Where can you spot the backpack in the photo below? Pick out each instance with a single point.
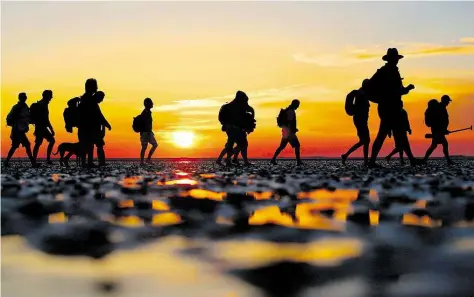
(282, 118)
(249, 122)
(35, 113)
(71, 114)
(11, 117)
(375, 87)
(138, 124)
(431, 112)
(349, 105)
(224, 114)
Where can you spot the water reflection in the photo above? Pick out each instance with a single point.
(56, 218)
(252, 253)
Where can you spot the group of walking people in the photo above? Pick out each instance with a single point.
(385, 88)
(83, 113)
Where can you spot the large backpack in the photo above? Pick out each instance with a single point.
(282, 118)
(374, 88)
(35, 113)
(138, 124)
(71, 114)
(224, 114)
(349, 105)
(431, 112)
(11, 117)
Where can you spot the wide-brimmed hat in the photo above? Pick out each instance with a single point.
(392, 53)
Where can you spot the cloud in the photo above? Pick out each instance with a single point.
(413, 50)
(467, 40)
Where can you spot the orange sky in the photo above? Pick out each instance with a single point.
(191, 63)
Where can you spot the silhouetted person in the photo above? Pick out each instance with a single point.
(147, 136)
(404, 128)
(39, 114)
(387, 90)
(288, 132)
(18, 119)
(436, 117)
(236, 150)
(88, 123)
(234, 119)
(99, 141)
(360, 109)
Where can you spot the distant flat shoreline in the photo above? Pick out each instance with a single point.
(256, 159)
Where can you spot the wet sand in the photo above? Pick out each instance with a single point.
(192, 228)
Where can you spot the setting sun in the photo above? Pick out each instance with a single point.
(183, 138)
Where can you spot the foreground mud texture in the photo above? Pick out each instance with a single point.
(192, 228)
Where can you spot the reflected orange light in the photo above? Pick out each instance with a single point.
(56, 218)
(165, 219)
(203, 194)
(130, 221)
(55, 177)
(126, 204)
(339, 194)
(424, 221)
(324, 252)
(184, 181)
(159, 205)
(261, 195)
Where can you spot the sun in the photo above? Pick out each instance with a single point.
(183, 138)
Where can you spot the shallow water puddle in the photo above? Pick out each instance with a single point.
(253, 253)
(150, 270)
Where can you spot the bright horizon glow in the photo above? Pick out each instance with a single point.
(183, 139)
(191, 57)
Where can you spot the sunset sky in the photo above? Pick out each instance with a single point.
(191, 57)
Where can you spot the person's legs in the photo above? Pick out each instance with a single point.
(221, 155)
(295, 143)
(350, 151)
(236, 153)
(38, 143)
(430, 150)
(279, 149)
(229, 146)
(402, 161)
(394, 151)
(142, 152)
(243, 146)
(101, 155)
(446, 151)
(379, 140)
(51, 142)
(11, 152)
(152, 150)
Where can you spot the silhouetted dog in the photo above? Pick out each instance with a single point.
(71, 149)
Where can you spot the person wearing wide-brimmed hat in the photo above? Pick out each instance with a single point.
(387, 90)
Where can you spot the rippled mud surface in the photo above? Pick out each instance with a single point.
(192, 228)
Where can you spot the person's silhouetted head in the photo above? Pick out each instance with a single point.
(295, 104)
(91, 86)
(47, 96)
(22, 97)
(241, 97)
(99, 96)
(148, 103)
(392, 57)
(365, 84)
(445, 100)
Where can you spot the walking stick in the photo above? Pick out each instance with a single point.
(429, 135)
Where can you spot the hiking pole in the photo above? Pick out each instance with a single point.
(429, 135)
